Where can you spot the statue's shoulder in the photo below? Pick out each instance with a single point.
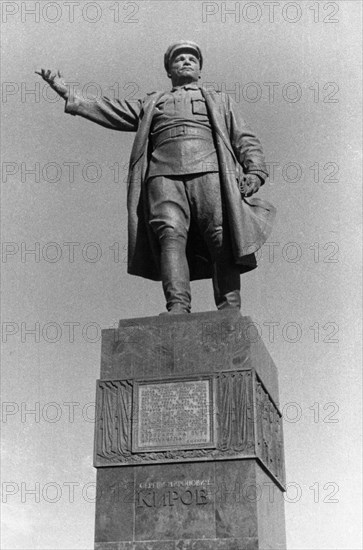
(217, 97)
(213, 93)
(151, 96)
(154, 93)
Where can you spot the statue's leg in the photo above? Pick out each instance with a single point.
(226, 282)
(170, 220)
(207, 208)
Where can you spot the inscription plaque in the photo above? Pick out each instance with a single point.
(170, 415)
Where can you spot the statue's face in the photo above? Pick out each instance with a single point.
(184, 68)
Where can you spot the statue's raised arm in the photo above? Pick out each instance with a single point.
(55, 81)
(116, 114)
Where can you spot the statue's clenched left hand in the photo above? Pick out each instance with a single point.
(250, 185)
(55, 81)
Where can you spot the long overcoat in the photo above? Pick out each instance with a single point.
(238, 150)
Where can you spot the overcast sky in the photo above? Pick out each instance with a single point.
(294, 70)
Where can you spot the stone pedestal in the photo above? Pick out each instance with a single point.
(188, 437)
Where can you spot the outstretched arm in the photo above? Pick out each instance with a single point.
(116, 114)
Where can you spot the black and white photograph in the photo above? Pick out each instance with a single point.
(181, 275)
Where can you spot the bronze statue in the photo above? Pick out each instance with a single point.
(194, 164)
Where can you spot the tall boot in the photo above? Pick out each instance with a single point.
(226, 283)
(175, 274)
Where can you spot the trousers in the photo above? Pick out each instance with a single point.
(175, 202)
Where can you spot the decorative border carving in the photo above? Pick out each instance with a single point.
(247, 423)
(269, 437)
(113, 419)
(235, 412)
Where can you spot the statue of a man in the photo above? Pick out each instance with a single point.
(193, 165)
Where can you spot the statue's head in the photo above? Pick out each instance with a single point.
(183, 62)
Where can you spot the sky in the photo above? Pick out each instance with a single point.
(294, 70)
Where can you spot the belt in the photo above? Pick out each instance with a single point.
(177, 131)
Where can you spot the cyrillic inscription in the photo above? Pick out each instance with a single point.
(158, 499)
(173, 415)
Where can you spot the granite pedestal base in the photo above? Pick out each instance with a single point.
(188, 437)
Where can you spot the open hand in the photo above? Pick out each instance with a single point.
(55, 81)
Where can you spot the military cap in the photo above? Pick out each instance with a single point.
(182, 45)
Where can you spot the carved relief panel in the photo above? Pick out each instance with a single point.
(206, 417)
